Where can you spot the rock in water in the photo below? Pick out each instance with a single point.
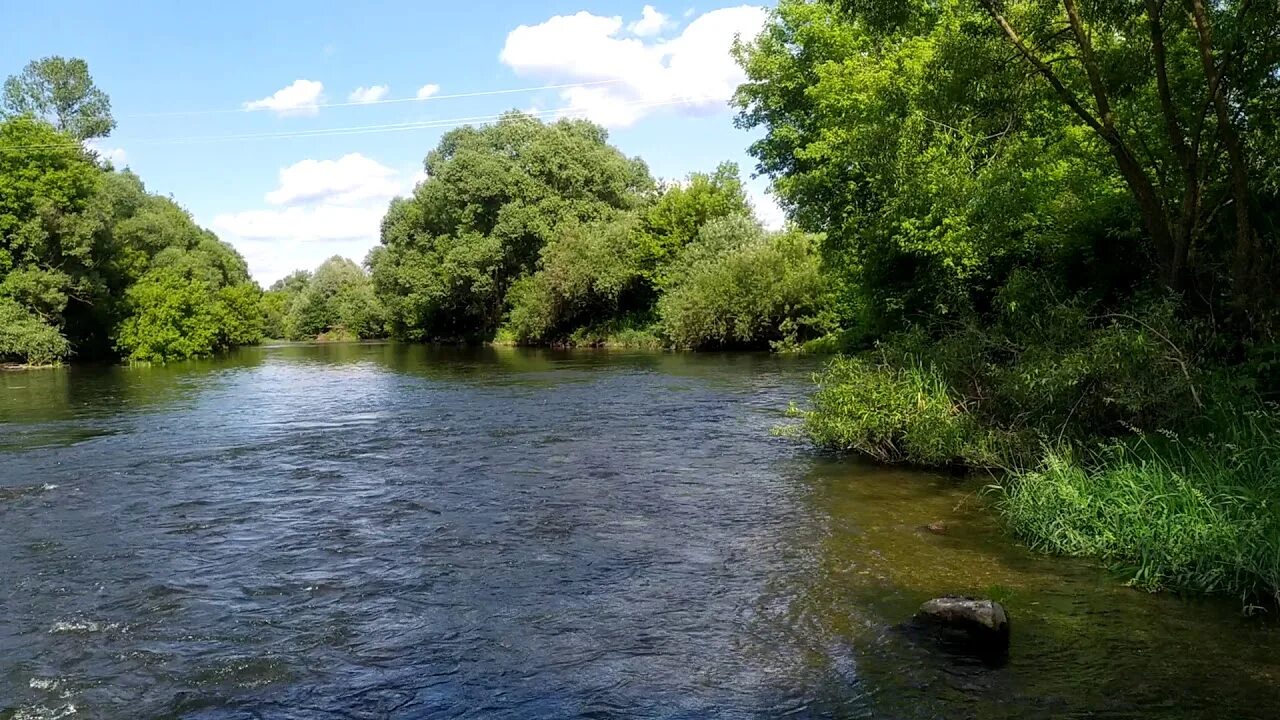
(982, 625)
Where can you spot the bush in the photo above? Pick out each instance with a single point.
(25, 338)
(736, 287)
(173, 316)
(338, 296)
(892, 415)
(1043, 370)
(590, 273)
(1200, 515)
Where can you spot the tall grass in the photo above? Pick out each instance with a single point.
(1193, 512)
(1171, 513)
(892, 415)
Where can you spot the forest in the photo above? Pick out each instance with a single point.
(1038, 239)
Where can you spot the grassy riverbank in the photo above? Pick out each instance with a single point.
(1191, 509)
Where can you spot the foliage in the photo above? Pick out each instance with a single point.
(1193, 514)
(1056, 221)
(61, 92)
(737, 286)
(175, 314)
(675, 219)
(87, 255)
(336, 300)
(494, 197)
(587, 273)
(24, 337)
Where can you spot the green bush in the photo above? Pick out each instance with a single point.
(174, 316)
(589, 274)
(1171, 513)
(336, 300)
(892, 415)
(23, 337)
(737, 287)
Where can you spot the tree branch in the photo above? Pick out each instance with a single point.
(1063, 91)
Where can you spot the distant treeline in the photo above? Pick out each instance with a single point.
(524, 232)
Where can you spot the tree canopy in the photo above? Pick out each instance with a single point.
(60, 91)
(92, 265)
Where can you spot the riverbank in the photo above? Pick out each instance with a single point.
(1192, 510)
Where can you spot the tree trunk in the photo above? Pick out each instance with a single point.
(1245, 263)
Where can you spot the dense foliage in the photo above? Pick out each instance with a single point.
(545, 234)
(91, 265)
(1056, 223)
(336, 302)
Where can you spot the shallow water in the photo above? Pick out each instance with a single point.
(386, 531)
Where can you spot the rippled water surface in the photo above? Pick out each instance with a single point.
(401, 532)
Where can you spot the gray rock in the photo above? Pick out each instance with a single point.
(980, 623)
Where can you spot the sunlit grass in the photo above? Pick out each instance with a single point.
(1189, 515)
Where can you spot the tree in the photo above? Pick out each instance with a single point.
(494, 197)
(61, 92)
(674, 220)
(337, 297)
(737, 286)
(1182, 164)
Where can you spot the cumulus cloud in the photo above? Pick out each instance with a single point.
(351, 179)
(693, 70)
(428, 90)
(320, 207)
(114, 155)
(651, 22)
(302, 97)
(368, 94)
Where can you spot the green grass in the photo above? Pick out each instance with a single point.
(1200, 515)
(892, 415)
(1192, 513)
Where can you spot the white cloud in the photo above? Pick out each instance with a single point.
(116, 156)
(694, 69)
(321, 207)
(350, 180)
(368, 94)
(651, 22)
(428, 90)
(300, 98)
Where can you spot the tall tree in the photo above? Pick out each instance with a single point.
(61, 92)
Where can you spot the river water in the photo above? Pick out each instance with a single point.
(382, 531)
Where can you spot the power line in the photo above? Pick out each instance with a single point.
(570, 111)
(451, 96)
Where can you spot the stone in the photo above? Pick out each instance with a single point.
(976, 624)
(937, 527)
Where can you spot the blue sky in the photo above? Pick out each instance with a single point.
(189, 80)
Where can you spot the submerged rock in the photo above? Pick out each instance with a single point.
(975, 625)
(937, 527)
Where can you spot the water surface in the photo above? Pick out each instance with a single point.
(381, 531)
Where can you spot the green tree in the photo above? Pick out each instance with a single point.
(494, 197)
(737, 286)
(337, 298)
(681, 210)
(589, 274)
(61, 92)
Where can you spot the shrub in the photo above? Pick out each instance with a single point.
(736, 287)
(588, 274)
(24, 337)
(892, 415)
(1201, 515)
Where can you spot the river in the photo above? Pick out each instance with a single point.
(384, 531)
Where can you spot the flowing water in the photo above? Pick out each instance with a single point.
(381, 531)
